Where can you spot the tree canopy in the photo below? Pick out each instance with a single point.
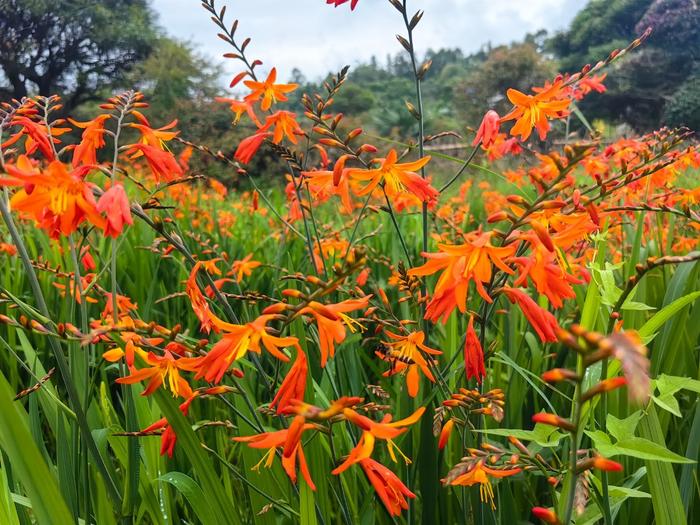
(72, 47)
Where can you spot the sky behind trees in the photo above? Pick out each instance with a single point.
(326, 38)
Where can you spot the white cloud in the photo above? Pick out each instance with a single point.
(317, 38)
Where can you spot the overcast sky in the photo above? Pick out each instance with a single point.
(318, 38)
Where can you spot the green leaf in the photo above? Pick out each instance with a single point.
(623, 428)
(194, 495)
(656, 321)
(543, 435)
(27, 462)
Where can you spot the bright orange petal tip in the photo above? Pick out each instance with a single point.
(546, 515)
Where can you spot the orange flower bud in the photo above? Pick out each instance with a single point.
(445, 433)
(559, 374)
(546, 515)
(608, 465)
(554, 420)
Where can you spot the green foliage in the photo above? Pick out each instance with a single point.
(73, 47)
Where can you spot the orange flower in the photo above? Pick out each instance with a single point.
(236, 342)
(285, 125)
(9, 249)
(115, 204)
(445, 433)
(473, 354)
(268, 91)
(91, 140)
(331, 320)
(406, 354)
(461, 264)
(488, 130)
(58, 199)
(544, 323)
(154, 137)
(294, 385)
(289, 440)
(398, 178)
(479, 473)
(249, 146)
(543, 269)
(532, 111)
(37, 136)
(388, 486)
(372, 430)
(244, 267)
(198, 301)
(162, 368)
(169, 438)
(162, 163)
(239, 107)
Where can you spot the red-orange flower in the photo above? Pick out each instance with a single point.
(239, 107)
(532, 111)
(488, 130)
(244, 267)
(388, 486)
(162, 163)
(331, 320)
(461, 264)
(336, 3)
(289, 440)
(91, 140)
(169, 438)
(236, 342)
(58, 199)
(473, 354)
(479, 474)
(162, 368)
(268, 91)
(115, 204)
(544, 323)
(285, 125)
(406, 355)
(397, 177)
(373, 430)
(249, 146)
(294, 384)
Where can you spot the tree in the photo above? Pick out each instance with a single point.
(648, 88)
(71, 47)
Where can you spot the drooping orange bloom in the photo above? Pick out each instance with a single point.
(533, 111)
(294, 384)
(155, 137)
(285, 125)
(129, 353)
(236, 342)
(546, 515)
(58, 199)
(115, 204)
(162, 163)
(169, 438)
(331, 320)
(162, 368)
(473, 354)
(93, 138)
(397, 177)
(124, 306)
(199, 303)
(268, 91)
(373, 430)
(289, 440)
(544, 323)
(244, 267)
(238, 107)
(249, 146)
(479, 473)
(38, 136)
(488, 129)
(543, 268)
(9, 249)
(461, 264)
(589, 84)
(445, 433)
(388, 486)
(406, 355)
(323, 184)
